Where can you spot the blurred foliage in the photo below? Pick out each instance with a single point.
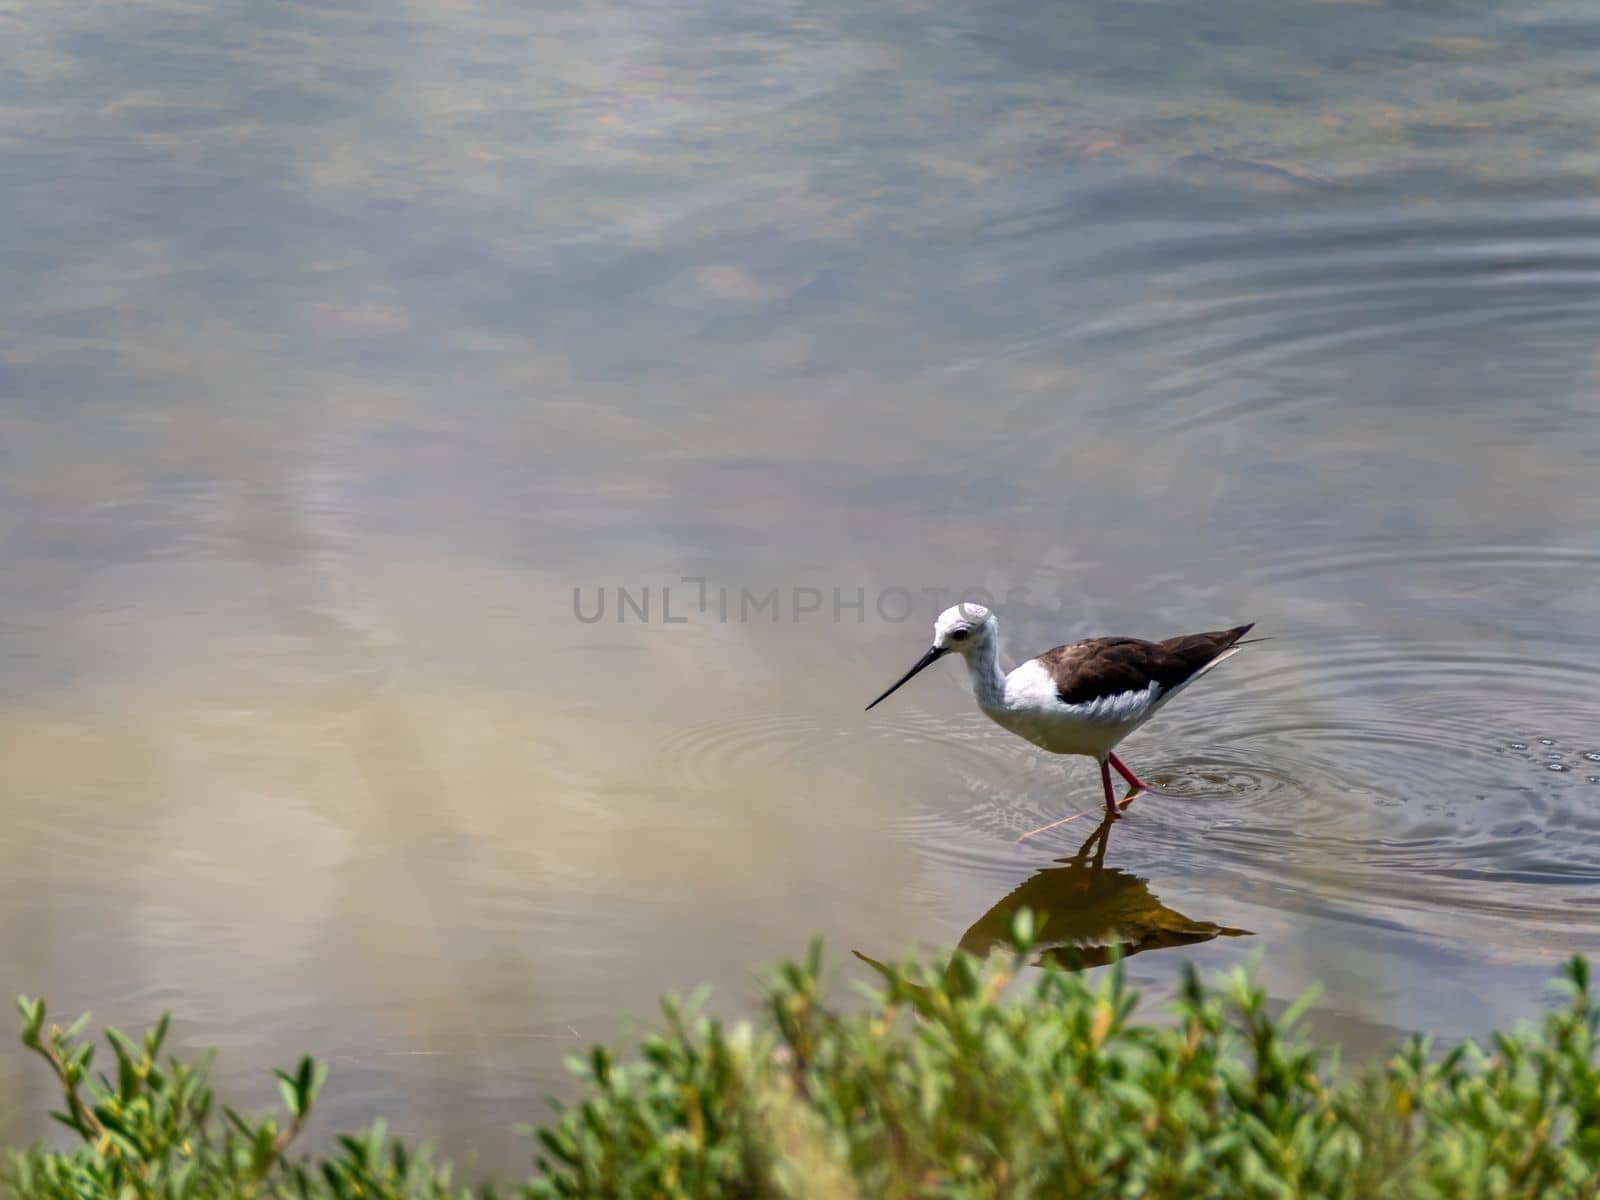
(153, 1129)
(939, 1085)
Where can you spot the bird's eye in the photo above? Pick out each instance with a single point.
(959, 635)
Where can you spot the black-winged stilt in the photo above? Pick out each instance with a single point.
(1078, 699)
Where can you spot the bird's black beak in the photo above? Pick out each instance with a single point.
(932, 656)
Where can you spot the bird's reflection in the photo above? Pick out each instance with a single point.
(1086, 913)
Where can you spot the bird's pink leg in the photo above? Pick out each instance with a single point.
(1105, 781)
(1122, 769)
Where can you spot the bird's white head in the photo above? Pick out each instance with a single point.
(962, 630)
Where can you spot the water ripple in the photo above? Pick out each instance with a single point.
(1232, 324)
(1419, 781)
(719, 753)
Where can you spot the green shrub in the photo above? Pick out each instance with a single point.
(152, 1129)
(938, 1086)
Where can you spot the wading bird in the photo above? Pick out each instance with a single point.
(1077, 699)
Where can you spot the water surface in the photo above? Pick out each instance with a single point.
(341, 344)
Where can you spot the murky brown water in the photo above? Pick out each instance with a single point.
(340, 345)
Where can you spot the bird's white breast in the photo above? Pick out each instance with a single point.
(1032, 708)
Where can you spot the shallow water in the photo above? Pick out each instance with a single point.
(348, 352)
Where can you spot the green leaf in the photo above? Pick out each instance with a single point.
(291, 1096)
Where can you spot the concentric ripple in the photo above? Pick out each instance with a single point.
(1240, 321)
(719, 753)
(712, 753)
(1414, 780)
(1353, 559)
(1421, 780)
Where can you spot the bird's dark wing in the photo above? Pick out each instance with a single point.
(1089, 670)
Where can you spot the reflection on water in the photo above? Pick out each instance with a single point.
(1086, 913)
(341, 343)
